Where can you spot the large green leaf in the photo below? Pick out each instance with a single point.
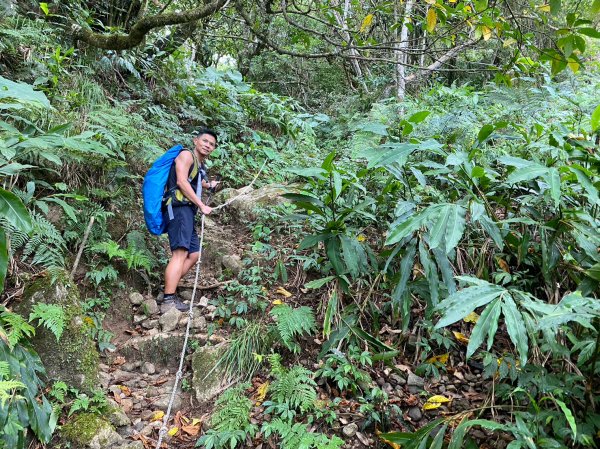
(448, 226)
(487, 324)
(528, 173)
(13, 210)
(596, 115)
(595, 7)
(22, 93)
(430, 273)
(410, 225)
(463, 302)
(515, 325)
(3, 258)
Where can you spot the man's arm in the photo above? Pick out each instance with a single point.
(183, 162)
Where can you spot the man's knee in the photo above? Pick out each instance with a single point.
(193, 257)
(179, 255)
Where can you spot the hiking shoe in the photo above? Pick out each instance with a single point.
(173, 301)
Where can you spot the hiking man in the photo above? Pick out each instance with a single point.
(180, 203)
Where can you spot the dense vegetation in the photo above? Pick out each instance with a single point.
(442, 218)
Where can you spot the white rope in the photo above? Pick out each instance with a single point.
(163, 430)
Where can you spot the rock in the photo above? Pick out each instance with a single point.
(120, 376)
(127, 405)
(380, 381)
(415, 381)
(148, 368)
(74, 358)
(163, 401)
(350, 430)
(199, 323)
(116, 416)
(105, 379)
(130, 445)
(137, 319)
(397, 379)
(129, 366)
(168, 321)
(245, 206)
(233, 262)
(185, 294)
(206, 378)
(150, 324)
(136, 298)
(149, 307)
(87, 430)
(203, 302)
(415, 414)
(387, 387)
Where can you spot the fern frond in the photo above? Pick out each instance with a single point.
(292, 323)
(14, 327)
(298, 436)
(6, 389)
(4, 369)
(51, 316)
(46, 244)
(296, 388)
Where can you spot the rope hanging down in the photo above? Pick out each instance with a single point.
(178, 376)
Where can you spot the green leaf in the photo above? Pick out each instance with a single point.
(486, 324)
(485, 132)
(448, 227)
(22, 93)
(596, 117)
(318, 283)
(529, 173)
(13, 210)
(593, 272)
(409, 226)
(332, 248)
(332, 307)
(515, 327)
(595, 7)
(418, 117)
(553, 180)
(590, 32)
(463, 302)
(3, 258)
(44, 8)
(569, 415)
(311, 240)
(555, 6)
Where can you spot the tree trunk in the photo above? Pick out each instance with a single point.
(401, 52)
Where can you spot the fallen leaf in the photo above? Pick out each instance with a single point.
(460, 337)
(394, 445)
(126, 391)
(361, 238)
(443, 359)
(157, 415)
(471, 318)
(261, 392)
(278, 302)
(503, 265)
(117, 397)
(173, 431)
(283, 291)
(191, 430)
(119, 360)
(435, 402)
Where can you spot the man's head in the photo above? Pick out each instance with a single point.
(205, 141)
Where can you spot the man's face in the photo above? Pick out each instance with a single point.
(205, 144)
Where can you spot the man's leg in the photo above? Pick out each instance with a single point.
(189, 262)
(175, 269)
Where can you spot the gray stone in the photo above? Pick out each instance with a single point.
(168, 321)
(203, 301)
(185, 294)
(137, 319)
(397, 379)
(150, 324)
(350, 429)
(148, 368)
(129, 366)
(131, 445)
(207, 378)
(136, 298)
(74, 358)
(117, 417)
(415, 414)
(414, 380)
(163, 401)
(233, 262)
(87, 430)
(149, 307)
(249, 199)
(199, 323)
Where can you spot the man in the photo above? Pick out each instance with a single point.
(181, 201)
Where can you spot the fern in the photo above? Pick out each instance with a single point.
(51, 316)
(6, 389)
(294, 387)
(298, 436)
(292, 323)
(13, 327)
(46, 245)
(231, 421)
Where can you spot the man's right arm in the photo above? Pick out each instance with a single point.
(183, 162)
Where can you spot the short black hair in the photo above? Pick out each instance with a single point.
(201, 131)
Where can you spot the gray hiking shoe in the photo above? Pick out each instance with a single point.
(173, 301)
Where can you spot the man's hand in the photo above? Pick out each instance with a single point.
(205, 209)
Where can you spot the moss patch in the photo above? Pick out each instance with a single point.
(206, 379)
(74, 358)
(82, 428)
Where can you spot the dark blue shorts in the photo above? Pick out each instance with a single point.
(181, 229)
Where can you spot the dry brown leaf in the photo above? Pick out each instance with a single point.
(119, 360)
(283, 291)
(443, 359)
(461, 337)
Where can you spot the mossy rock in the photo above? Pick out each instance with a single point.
(88, 430)
(73, 359)
(207, 378)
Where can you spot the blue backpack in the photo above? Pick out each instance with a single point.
(153, 190)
